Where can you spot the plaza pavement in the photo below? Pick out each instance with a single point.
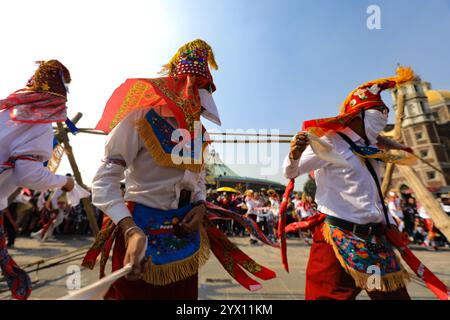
(214, 281)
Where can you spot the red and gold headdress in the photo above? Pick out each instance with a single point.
(44, 98)
(174, 95)
(364, 97)
(194, 58)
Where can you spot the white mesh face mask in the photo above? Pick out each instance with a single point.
(210, 111)
(374, 122)
(66, 84)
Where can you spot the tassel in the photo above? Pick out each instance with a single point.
(404, 74)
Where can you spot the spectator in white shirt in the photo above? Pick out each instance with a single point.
(395, 210)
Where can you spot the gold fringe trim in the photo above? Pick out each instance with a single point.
(55, 160)
(196, 44)
(161, 275)
(159, 155)
(389, 282)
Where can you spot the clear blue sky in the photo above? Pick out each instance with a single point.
(283, 62)
(280, 62)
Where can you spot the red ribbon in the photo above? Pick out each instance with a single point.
(431, 281)
(234, 260)
(282, 223)
(306, 223)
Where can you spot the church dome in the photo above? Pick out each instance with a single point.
(437, 96)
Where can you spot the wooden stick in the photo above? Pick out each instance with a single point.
(251, 141)
(99, 132)
(250, 134)
(64, 138)
(396, 136)
(91, 131)
(431, 165)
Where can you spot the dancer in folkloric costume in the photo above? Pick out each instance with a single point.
(354, 240)
(26, 142)
(156, 144)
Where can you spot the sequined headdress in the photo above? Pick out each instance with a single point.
(193, 58)
(51, 77)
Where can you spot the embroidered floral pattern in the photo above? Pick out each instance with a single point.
(361, 93)
(356, 254)
(163, 245)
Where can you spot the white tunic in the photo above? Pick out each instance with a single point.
(146, 182)
(26, 139)
(347, 193)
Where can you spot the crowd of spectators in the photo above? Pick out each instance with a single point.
(262, 206)
(30, 211)
(413, 219)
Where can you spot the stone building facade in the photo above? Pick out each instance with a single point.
(426, 128)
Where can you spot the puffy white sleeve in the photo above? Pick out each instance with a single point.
(122, 147)
(308, 162)
(38, 141)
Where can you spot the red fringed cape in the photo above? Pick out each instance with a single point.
(177, 96)
(35, 107)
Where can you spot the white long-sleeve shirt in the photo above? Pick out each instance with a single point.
(146, 182)
(18, 139)
(347, 193)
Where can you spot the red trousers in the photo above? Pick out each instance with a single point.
(124, 289)
(326, 279)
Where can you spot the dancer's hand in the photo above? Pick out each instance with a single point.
(135, 240)
(70, 184)
(298, 145)
(194, 219)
